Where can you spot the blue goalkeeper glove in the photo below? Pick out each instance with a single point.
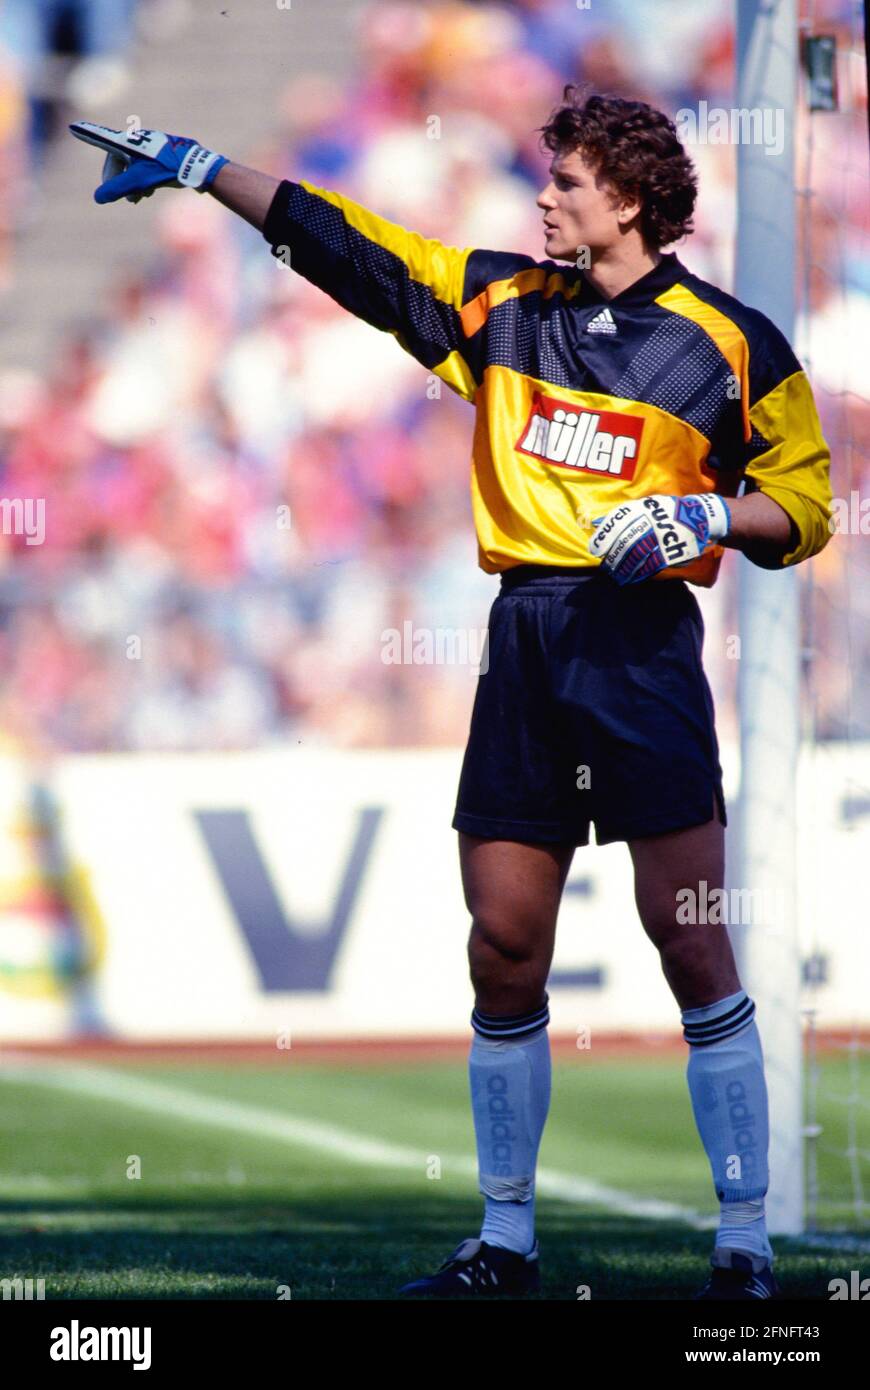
(636, 540)
(138, 161)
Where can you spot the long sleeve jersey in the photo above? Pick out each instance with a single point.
(581, 402)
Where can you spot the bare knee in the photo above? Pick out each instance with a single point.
(508, 963)
(512, 891)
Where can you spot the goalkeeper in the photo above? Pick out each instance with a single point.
(632, 422)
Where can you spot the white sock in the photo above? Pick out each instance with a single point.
(742, 1226)
(729, 1100)
(509, 1074)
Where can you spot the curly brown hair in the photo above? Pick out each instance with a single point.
(635, 149)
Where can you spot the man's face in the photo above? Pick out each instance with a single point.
(579, 210)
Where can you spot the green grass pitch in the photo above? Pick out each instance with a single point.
(330, 1182)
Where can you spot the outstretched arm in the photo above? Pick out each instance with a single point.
(245, 191)
(403, 283)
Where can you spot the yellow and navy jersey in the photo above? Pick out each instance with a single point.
(582, 402)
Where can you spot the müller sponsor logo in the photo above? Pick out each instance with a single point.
(598, 441)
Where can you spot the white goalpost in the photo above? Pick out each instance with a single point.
(762, 838)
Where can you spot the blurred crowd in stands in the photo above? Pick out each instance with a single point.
(246, 488)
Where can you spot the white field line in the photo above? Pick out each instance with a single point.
(174, 1103)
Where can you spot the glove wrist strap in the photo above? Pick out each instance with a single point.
(199, 168)
(718, 514)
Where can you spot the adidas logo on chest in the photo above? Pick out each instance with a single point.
(603, 322)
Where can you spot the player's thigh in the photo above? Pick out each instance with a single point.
(667, 865)
(513, 891)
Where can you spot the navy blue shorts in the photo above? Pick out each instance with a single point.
(593, 708)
